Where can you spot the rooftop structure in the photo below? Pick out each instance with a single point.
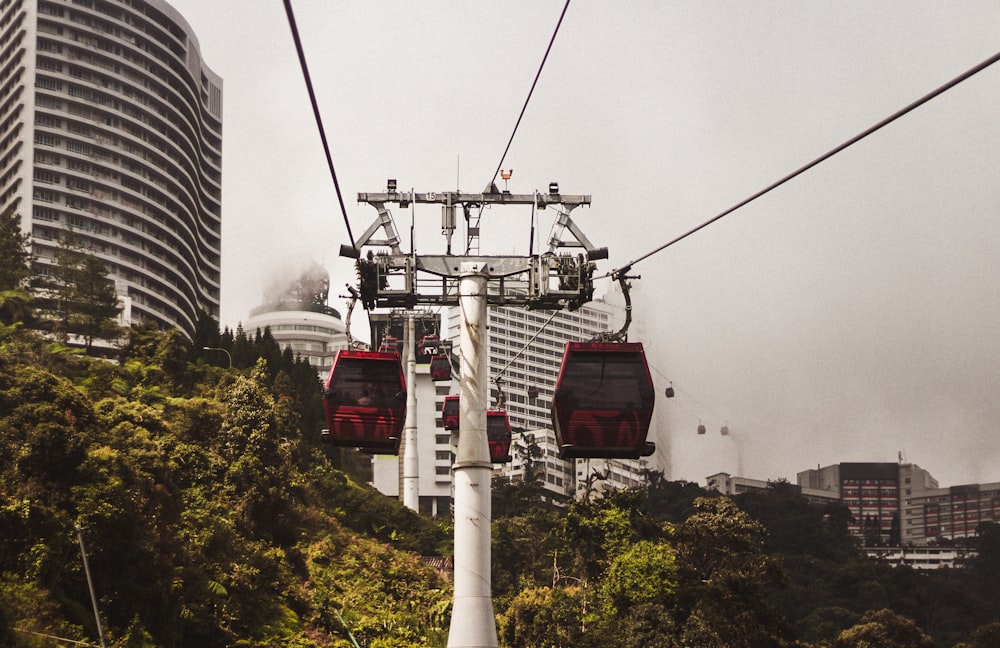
(299, 317)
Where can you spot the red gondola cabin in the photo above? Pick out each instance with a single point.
(365, 401)
(498, 436)
(449, 412)
(428, 348)
(440, 368)
(603, 401)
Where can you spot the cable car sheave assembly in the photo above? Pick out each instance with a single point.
(552, 280)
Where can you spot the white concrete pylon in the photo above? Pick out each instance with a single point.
(472, 622)
(411, 453)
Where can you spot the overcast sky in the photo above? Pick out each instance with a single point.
(851, 315)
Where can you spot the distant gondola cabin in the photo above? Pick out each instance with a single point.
(428, 348)
(449, 412)
(440, 368)
(498, 436)
(391, 344)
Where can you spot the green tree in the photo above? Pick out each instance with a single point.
(726, 576)
(884, 629)
(547, 617)
(517, 497)
(646, 572)
(15, 257)
(15, 269)
(987, 636)
(78, 298)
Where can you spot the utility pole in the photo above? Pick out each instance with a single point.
(90, 586)
(551, 280)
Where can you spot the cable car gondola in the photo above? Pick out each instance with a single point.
(428, 348)
(603, 401)
(449, 412)
(498, 436)
(365, 401)
(440, 368)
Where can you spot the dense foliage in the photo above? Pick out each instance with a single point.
(209, 517)
(673, 565)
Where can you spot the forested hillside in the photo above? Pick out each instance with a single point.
(209, 518)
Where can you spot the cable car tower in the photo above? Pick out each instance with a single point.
(393, 278)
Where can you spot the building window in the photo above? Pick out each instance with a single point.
(47, 177)
(47, 83)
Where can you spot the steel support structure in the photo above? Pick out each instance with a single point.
(392, 278)
(472, 620)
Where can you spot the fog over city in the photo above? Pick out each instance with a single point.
(849, 315)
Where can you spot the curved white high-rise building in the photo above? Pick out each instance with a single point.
(111, 126)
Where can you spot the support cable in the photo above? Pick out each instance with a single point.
(533, 84)
(854, 140)
(319, 119)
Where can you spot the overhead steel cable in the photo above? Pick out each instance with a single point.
(530, 92)
(854, 140)
(319, 119)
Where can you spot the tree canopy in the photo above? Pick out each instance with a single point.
(213, 517)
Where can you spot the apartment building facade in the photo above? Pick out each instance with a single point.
(111, 128)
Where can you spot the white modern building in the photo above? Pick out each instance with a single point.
(922, 557)
(435, 451)
(557, 475)
(300, 317)
(314, 335)
(111, 126)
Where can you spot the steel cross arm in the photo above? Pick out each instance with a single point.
(563, 221)
(540, 200)
(384, 220)
(450, 266)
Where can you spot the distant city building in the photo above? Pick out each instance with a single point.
(874, 493)
(949, 514)
(299, 317)
(729, 485)
(922, 557)
(111, 127)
